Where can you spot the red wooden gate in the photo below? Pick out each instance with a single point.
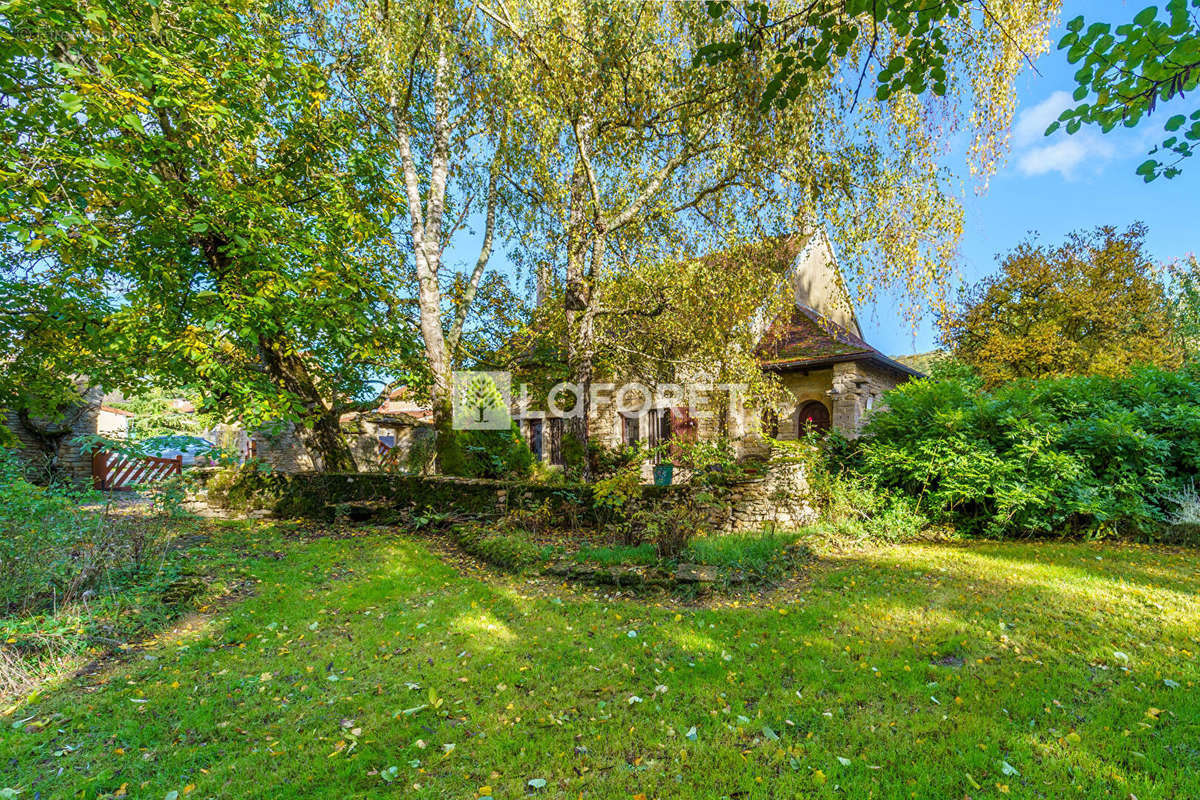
(111, 471)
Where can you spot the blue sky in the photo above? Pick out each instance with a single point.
(1059, 184)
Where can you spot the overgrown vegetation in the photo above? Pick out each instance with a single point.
(77, 578)
(1072, 456)
(509, 549)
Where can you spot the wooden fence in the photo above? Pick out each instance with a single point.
(113, 472)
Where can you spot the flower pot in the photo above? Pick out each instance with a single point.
(663, 473)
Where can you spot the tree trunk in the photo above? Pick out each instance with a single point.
(322, 430)
(577, 307)
(325, 440)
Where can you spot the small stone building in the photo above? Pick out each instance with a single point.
(47, 444)
(837, 379)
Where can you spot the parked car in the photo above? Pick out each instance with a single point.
(193, 449)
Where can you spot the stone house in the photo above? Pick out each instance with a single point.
(833, 378)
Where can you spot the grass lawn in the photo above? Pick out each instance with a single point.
(369, 667)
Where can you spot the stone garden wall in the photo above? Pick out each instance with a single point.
(780, 500)
(48, 446)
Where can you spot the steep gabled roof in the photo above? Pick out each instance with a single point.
(806, 340)
(805, 335)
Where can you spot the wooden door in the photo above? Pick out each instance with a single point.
(812, 415)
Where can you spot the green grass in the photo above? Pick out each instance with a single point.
(614, 555)
(747, 550)
(914, 671)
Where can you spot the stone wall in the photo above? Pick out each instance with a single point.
(781, 500)
(858, 388)
(47, 445)
(282, 449)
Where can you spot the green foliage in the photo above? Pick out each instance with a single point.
(757, 552)
(509, 549)
(614, 493)
(824, 34)
(1053, 457)
(1183, 295)
(617, 554)
(1093, 305)
(41, 529)
(155, 414)
(855, 507)
(74, 576)
(1125, 74)
(493, 454)
(244, 486)
(670, 524)
(180, 175)
(1184, 519)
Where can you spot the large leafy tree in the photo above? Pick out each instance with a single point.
(1127, 74)
(1183, 292)
(1093, 305)
(185, 156)
(635, 154)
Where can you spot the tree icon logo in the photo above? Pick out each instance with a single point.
(481, 400)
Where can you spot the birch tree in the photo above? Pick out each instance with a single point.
(418, 74)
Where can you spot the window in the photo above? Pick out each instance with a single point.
(659, 428)
(629, 431)
(556, 434)
(535, 437)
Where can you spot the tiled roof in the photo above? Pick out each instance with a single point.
(806, 335)
(807, 340)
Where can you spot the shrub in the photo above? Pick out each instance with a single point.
(755, 551)
(48, 548)
(1184, 521)
(495, 454)
(1066, 456)
(617, 554)
(242, 486)
(669, 526)
(506, 549)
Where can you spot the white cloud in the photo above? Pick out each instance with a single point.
(1032, 124)
(1037, 154)
(1065, 155)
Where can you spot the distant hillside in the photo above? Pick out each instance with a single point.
(922, 362)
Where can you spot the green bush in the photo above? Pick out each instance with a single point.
(740, 550)
(1054, 457)
(617, 554)
(495, 454)
(49, 550)
(502, 548)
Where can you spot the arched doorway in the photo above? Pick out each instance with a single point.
(812, 415)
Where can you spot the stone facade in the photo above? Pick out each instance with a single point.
(48, 446)
(857, 390)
